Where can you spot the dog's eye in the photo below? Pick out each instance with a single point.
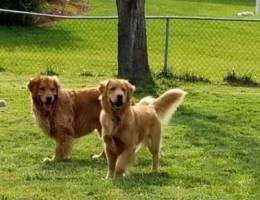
(42, 88)
(112, 88)
(52, 89)
(123, 89)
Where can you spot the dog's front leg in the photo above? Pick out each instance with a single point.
(111, 161)
(111, 154)
(124, 159)
(63, 144)
(63, 148)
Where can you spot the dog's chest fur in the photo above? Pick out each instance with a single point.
(52, 122)
(45, 124)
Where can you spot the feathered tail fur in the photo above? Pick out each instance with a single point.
(166, 104)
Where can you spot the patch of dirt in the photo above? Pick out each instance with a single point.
(63, 7)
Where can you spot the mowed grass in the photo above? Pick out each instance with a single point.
(226, 8)
(209, 149)
(207, 48)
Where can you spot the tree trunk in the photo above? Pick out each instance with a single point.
(132, 42)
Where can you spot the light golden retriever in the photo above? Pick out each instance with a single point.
(64, 115)
(126, 126)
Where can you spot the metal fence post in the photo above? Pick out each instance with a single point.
(257, 7)
(167, 32)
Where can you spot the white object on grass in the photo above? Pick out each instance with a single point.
(245, 14)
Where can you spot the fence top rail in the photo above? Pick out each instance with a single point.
(116, 17)
(56, 16)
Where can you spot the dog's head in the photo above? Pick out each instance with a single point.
(44, 90)
(116, 94)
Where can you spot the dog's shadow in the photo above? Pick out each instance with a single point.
(144, 180)
(71, 164)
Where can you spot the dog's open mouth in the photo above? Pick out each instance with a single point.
(47, 106)
(116, 105)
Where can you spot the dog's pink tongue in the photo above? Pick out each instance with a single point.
(47, 107)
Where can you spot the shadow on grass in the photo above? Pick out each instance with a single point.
(33, 37)
(220, 137)
(146, 160)
(75, 163)
(74, 169)
(143, 180)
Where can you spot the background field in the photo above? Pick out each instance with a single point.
(227, 8)
(205, 48)
(210, 148)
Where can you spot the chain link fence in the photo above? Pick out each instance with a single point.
(87, 46)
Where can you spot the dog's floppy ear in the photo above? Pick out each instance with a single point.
(130, 88)
(102, 86)
(56, 82)
(32, 84)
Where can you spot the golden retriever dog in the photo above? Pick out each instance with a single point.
(126, 126)
(64, 115)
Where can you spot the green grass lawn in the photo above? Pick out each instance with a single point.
(208, 49)
(227, 8)
(210, 149)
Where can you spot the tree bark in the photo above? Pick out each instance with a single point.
(132, 41)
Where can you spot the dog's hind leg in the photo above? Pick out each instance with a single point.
(102, 154)
(154, 147)
(98, 156)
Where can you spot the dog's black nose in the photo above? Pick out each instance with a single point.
(119, 97)
(48, 99)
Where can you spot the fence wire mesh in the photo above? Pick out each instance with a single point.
(205, 48)
(211, 49)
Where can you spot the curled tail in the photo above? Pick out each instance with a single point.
(166, 104)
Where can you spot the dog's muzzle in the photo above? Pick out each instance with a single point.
(48, 104)
(118, 103)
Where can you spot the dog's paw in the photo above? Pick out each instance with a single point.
(102, 155)
(110, 176)
(97, 156)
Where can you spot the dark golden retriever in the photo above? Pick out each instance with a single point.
(64, 115)
(126, 126)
